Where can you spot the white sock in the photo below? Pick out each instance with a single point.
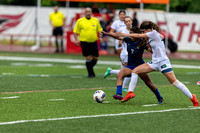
(132, 85)
(126, 81)
(183, 88)
(114, 71)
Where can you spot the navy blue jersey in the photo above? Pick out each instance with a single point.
(134, 52)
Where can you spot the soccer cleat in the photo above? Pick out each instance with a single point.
(124, 89)
(161, 101)
(194, 100)
(118, 97)
(107, 73)
(128, 96)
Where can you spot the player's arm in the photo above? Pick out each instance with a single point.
(149, 48)
(134, 35)
(114, 35)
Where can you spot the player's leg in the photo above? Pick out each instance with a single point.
(55, 33)
(172, 79)
(120, 76)
(144, 68)
(147, 80)
(61, 39)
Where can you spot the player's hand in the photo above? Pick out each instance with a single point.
(77, 42)
(120, 43)
(100, 34)
(103, 32)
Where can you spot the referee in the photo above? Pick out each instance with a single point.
(87, 28)
(57, 21)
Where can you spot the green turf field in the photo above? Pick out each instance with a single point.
(57, 97)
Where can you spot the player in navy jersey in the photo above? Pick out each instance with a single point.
(135, 48)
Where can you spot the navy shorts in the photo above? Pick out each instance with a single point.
(90, 49)
(58, 31)
(131, 67)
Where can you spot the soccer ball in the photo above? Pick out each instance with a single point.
(198, 83)
(99, 96)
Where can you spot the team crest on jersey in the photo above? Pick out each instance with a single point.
(9, 21)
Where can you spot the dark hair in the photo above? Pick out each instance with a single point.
(122, 11)
(149, 25)
(127, 17)
(146, 25)
(144, 41)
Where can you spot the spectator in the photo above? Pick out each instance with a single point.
(87, 28)
(135, 21)
(95, 8)
(104, 39)
(57, 21)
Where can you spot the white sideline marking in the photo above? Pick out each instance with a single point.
(56, 99)
(150, 105)
(94, 116)
(78, 61)
(9, 97)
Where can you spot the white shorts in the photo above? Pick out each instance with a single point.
(117, 45)
(163, 66)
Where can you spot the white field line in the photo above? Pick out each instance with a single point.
(9, 97)
(78, 61)
(95, 116)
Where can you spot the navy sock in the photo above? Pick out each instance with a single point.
(119, 89)
(157, 94)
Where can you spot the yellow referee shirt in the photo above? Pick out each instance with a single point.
(87, 29)
(57, 19)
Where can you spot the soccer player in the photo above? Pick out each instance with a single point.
(135, 49)
(87, 28)
(123, 54)
(160, 62)
(57, 21)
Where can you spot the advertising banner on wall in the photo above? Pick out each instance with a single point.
(184, 27)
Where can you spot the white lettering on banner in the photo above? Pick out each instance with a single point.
(184, 27)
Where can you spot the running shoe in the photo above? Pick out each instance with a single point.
(128, 96)
(194, 100)
(107, 73)
(118, 97)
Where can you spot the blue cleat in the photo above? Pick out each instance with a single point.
(118, 97)
(107, 72)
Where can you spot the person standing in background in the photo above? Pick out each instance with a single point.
(87, 28)
(135, 21)
(57, 21)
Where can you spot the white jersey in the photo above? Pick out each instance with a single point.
(158, 47)
(124, 45)
(118, 26)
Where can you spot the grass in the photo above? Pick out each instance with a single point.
(44, 90)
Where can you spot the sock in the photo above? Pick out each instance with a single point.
(119, 89)
(157, 94)
(122, 66)
(126, 81)
(93, 62)
(183, 88)
(89, 68)
(132, 85)
(114, 72)
(57, 48)
(61, 44)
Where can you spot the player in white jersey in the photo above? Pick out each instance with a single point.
(123, 54)
(160, 62)
(118, 26)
